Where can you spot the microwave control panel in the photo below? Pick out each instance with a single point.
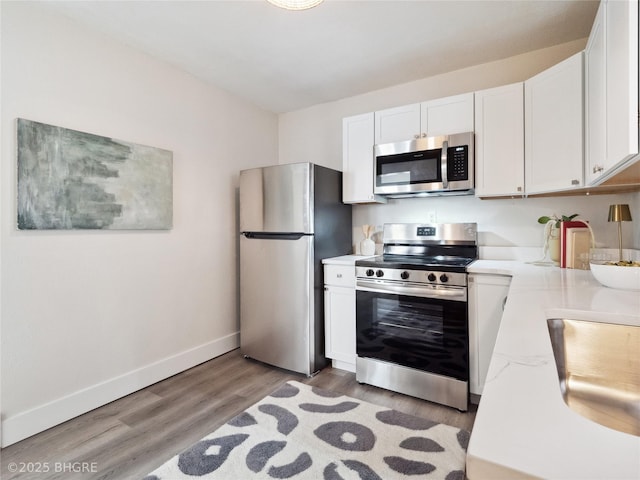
(458, 163)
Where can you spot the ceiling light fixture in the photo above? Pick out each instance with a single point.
(295, 4)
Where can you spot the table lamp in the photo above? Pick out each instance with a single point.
(619, 213)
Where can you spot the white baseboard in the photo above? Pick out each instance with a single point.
(38, 419)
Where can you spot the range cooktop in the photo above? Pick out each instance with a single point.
(441, 263)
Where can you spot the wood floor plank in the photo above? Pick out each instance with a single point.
(130, 437)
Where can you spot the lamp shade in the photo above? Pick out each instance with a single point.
(619, 213)
(295, 4)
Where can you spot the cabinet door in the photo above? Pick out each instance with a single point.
(499, 125)
(397, 124)
(595, 98)
(340, 325)
(357, 160)
(448, 115)
(622, 81)
(554, 128)
(487, 295)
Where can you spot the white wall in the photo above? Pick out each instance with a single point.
(315, 134)
(88, 316)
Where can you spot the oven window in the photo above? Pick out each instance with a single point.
(423, 333)
(409, 168)
(401, 318)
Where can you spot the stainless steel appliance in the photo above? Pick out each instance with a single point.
(291, 217)
(412, 332)
(441, 165)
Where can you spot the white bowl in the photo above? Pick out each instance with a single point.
(615, 276)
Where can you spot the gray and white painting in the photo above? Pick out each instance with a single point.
(74, 180)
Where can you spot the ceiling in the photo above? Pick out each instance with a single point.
(288, 60)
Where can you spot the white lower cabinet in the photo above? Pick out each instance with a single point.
(340, 316)
(487, 296)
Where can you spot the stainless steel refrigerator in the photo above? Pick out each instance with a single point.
(291, 217)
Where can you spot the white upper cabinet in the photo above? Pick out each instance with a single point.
(397, 124)
(595, 66)
(622, 80)
(446, 116)
(443, 116)
(611, 68)
(554, 141)
(357, 160)
(499, 141)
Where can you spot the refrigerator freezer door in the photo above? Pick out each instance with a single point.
(277, 199)
(276, 304)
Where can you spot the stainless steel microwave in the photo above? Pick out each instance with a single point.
(425, 166)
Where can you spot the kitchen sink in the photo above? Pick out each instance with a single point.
(599, 370)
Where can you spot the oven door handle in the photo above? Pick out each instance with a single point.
(426, 291)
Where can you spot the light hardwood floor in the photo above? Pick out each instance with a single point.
(132, 436)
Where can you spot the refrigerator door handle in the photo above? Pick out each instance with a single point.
(274, 236)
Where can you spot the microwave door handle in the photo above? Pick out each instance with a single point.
(443, 164)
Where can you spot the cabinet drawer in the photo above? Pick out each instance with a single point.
(340, 275)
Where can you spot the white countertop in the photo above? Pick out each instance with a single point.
(344, 259)
(523, 428)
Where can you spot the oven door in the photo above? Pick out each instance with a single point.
(421, 327)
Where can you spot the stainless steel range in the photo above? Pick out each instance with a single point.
(411, 312)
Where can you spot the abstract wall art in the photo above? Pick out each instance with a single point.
(74, 180)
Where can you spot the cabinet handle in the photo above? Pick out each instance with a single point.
(424, 135)
(504, 302)
(575, 182)
(416, 136)
(519, 189)
(598, 169)
(339, 275)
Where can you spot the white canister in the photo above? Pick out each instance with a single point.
(367, 247)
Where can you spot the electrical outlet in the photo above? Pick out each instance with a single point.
(431, 217)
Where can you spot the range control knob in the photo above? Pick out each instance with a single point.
(379, 273)
(444, 278)
(404, 275)
(431, 277)
(369, 273)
